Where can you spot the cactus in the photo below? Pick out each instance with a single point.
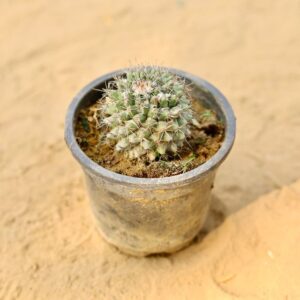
(148, 113)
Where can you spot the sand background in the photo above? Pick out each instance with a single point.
(250, 50)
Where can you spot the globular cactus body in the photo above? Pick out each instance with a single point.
(148, 113)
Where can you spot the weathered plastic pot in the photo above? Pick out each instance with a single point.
(143, 216)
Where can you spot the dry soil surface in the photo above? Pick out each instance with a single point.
(49, 248)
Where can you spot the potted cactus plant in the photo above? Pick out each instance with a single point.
(149, 140)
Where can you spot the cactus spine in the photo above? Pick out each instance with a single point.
(148, 113)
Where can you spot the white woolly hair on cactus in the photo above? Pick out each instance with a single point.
(148, 112)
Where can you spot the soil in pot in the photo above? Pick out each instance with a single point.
(200, 147)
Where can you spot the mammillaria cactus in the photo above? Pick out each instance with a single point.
(148, 113)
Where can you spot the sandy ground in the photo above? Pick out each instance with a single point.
(49, 248)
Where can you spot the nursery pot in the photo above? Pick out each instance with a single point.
(143, 216)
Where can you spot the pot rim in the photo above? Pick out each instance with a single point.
(91, 166)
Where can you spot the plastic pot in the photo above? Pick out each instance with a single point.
(143, 216)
